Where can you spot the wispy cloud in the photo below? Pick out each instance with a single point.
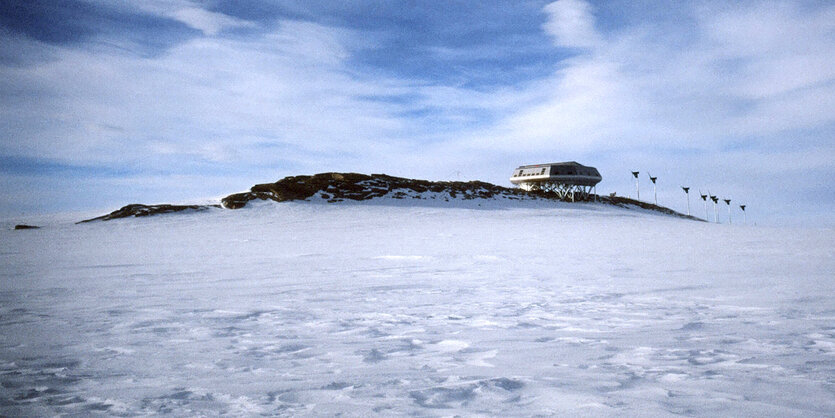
(571, 23)
(208, 22)
(201, 98)
(638, 88)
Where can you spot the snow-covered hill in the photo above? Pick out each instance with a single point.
(392, 308)
(382, 189)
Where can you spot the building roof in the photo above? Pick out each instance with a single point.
(566, 163)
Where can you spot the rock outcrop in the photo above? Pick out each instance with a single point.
(338, 187)
(138, 210)
(26, 227)
(335, 187)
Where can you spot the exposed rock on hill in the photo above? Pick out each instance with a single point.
(137, 210)
(335, 187)
(26, 227)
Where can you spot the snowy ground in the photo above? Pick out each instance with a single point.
(364, 309)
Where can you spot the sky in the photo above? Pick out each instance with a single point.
(106, 103)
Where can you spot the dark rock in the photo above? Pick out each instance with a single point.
(26, 227)
(337, 187)
(138, 210)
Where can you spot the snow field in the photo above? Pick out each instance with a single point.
(377, 309)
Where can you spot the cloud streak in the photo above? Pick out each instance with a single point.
(571, 23)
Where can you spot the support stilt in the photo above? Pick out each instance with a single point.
(563, 191)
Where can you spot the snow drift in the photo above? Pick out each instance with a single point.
(364, 309)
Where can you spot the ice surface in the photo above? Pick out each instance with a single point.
(375, 309)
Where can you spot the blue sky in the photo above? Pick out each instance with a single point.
(107, 103)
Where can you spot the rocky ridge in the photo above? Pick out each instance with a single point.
(338, 187)
(139, 210)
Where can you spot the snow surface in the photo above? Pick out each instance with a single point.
(391, 309)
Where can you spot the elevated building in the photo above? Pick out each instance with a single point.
(569, 180)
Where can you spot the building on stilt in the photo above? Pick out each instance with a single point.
(569, 180)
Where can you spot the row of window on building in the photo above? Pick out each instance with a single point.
(534, 173)
(558, 172)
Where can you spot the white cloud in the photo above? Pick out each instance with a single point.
(186, 11)
(779, 48)
(209, 23)
(571, 23)
(638, 89)
(203, 98)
